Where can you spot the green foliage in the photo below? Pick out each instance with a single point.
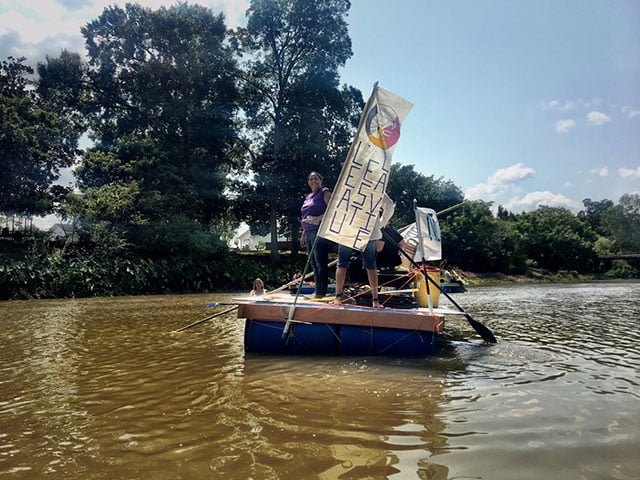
(54, 276)
(405, 185)
(555, 238)
(594, 212)
(174, 236)
(603, 245)
(475, 240)
(161, 101)
(36, 141)
(295, 108)
(622, 269)
(623, 221)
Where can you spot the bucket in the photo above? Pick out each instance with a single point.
(421, 294)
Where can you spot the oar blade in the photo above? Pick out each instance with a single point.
(483, 331)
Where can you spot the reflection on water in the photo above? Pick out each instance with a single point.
(102, 388)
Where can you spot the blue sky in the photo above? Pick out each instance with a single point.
(518, 102)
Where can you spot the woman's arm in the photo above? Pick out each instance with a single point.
(327, 196)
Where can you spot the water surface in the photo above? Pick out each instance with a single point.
(104, 388)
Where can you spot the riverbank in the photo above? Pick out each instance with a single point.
(533, 276)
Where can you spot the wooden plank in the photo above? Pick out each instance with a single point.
(346, 315)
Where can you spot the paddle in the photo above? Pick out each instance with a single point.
(235, 305)
(207, 318)
(483, 331)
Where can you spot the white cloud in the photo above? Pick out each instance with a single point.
(598, 118)
(533, 200)
(563, 126)
(568, 105)
(481, 191)
(558, 105)
(601, 172)
(630, 111)
(35, 28)
(513, 174)
(499, 181)
(628, 172)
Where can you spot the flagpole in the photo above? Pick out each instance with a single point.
(332, 201)
(421, 246)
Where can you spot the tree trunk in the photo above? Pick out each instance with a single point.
(295, 238)
(275, 255)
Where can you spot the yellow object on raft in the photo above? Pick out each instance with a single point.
(421, 285)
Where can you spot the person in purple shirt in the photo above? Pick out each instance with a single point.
(313, 209)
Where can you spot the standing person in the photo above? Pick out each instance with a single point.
(313, 208)
(368, 262)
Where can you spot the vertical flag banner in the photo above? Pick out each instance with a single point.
(358, 195)
(429, 235)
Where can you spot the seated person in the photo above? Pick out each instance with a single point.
(388, 252)
(258, 288)
(388, 256)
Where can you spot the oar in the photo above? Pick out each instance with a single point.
(219, 304)
(483, 331)
(207, 318)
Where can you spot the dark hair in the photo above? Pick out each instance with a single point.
(313, 172)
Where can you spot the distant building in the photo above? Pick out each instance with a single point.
(243, 240)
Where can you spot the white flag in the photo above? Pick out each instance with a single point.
(429, 237)
(357, 198)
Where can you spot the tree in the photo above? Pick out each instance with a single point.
(474, 239)
(161, 102)
(35, 141)
(593, 214)
(556, 239)
(623, 221)
(405, 185)
(61, 85)
(294, 106)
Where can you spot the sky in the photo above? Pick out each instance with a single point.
(521, 103)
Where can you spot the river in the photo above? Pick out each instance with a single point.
(105, 389)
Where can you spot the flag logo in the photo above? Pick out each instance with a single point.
(383, 126)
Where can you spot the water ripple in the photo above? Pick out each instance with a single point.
(102, 388)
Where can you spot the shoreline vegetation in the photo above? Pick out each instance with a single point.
(494, 279)
(50, 275)
(533, 276)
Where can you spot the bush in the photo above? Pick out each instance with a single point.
(52, 276)
(622, 269)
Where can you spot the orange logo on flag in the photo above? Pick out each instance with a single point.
(383, 126)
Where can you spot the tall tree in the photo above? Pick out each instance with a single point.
(405, 185)
(557, 239)
(475, 240)
(623, 221)
(161, 104)
(593, 213)
(36, 142)
(302, 119)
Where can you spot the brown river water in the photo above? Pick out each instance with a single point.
(103, 388)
